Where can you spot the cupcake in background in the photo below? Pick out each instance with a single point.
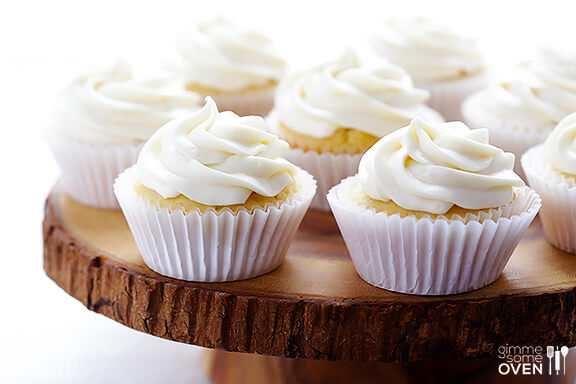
(236, 65)
(434, 210)
(331, 114)
(522, 111)
(551, 170)
(100, 123)
(446, 63)
(211, 198)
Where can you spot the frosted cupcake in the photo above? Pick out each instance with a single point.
(331, 114)
(434, 210)
(235, 65)
(211, 199)
(522, 111)
(101, 122)
(438, 59)
(551, 171)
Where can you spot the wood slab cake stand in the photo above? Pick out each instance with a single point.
(313, 320)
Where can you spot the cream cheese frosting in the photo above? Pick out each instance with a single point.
(560, 146)
(428, 50)
(431, 167)
(542, 92)
(111, 107)
(222, 55)
(214, 158)
(373, 97)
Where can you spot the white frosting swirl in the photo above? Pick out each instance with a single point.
(432, 166)
(428, 50)
(222, 55)
(560, 146)
(214, 158)
(375, 98)
(541, 93)
(111, 107)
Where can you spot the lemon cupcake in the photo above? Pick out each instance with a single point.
(551, 170)
(434, 210)
(330, 115)
(211, 199)
(101, 122)
(522, 111)
(237, 66)
(446, 63)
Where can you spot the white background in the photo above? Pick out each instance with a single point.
(45, 335)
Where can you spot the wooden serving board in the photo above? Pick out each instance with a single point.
(315, 305)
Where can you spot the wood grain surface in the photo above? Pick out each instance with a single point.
(315, 305)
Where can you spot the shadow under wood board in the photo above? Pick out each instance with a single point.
(314, 305)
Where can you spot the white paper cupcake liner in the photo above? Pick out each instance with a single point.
(447, 97)
(256, 102)
(512, 136)
(327, 168)
(88, 170)
(209, 246)
(558, 194)
(430, 257)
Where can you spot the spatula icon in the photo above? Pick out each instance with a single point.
(550, 354)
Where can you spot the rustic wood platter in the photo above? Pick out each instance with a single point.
(314, 306)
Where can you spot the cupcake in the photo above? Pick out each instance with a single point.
(211, 199)
(434, 210)
(101, 122)
(444, 62)
(235, 65)
(330, 115)
(551, 170)
(521, 112)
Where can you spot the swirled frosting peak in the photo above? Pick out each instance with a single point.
(428, 50)
(560, 146)
(112, 107)
(540, 93)
(214, 158)
(372, 97)
(220, 54)
(431, 167)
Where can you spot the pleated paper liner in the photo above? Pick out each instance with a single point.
(88, 170)
(327, 168)
(431, 257)
(213, 246)
(558, 194)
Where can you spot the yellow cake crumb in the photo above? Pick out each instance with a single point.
(567, 177)
(358, 195)
(181, 202)
(344, 140)
(215, 92)
(462, 74)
